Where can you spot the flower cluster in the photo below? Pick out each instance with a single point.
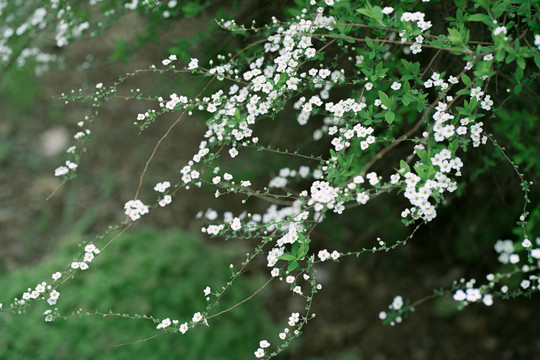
(355, 117)
(472, 294)
(135, 209)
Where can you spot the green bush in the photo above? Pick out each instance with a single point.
(158, 273)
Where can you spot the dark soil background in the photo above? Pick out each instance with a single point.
(459, 243)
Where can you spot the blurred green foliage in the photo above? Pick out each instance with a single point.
(135, 280)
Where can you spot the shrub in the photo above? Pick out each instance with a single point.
(372, 99)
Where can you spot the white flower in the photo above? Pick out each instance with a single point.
(207, 291)
(193, 64)
(289, 279)
(49, 316)
(233, 152)
(415, 48)
(162, 186)
(54, 295)
(57, 275)
(514, 258)
(62, 170)
(235, 224)
(488, 300)
(167, 199)
(395, 85)
(294, 318)
(323, 255)
(90, 248)
(164, 324)
(397, 303)
(197, 317)
(387, 10)
(264, 344)
(499, 30)
(260, 352)
(88, 257)
(473, 295)
(460, 295)
(362, 198)
(135, 209)
(184, 328)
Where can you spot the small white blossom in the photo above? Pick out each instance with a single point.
(57, 275)
(162, 186)
(164, 324)
(197, 317)
(193, 64)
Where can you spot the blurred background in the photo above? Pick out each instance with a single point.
(161, 266)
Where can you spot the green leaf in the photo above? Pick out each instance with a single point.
(480, 17)
(422, 171)
(537, 60)
(282, 79)
(408, 66)
(374, 13)
(287, 257)
(406, 87)
(423, 155)
(455, 37)
(389, 116)
(302, 251)
(453, 145)
(385, 99)
(466, 80)
(431, 173)
(519, 74)
(293, 266)
(499, 10)
(404, 165)
(520, 62)
(407, 99)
